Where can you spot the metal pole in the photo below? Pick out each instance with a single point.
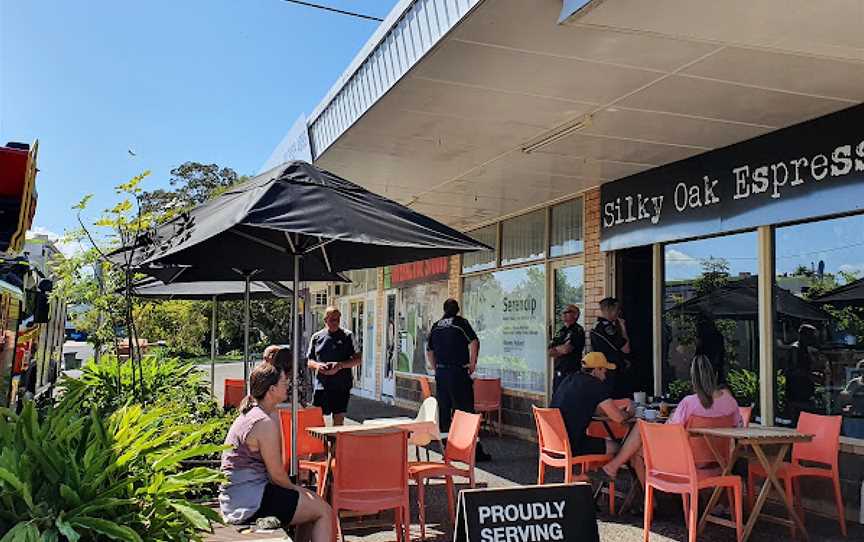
(295, 346)
(213, 348)
(247, 276)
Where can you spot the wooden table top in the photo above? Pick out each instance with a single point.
(755, 434)
(379, 425)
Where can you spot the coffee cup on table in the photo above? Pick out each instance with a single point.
(639, 397)
(650, 414)
(640, 411)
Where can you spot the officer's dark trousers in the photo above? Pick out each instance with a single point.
(454, 390)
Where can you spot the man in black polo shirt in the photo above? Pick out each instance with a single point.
(581, 396)
(452, 349)
(332, 356)
(609, 336)
(567, 346)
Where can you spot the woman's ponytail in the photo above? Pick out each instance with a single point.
(247, 404)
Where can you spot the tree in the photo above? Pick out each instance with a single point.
(715, 274)
(192, 183)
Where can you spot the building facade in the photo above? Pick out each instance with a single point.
(703, 166)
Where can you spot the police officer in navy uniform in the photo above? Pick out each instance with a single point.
(451, 349)
(610, 337)
(332, 355)
(567, 346)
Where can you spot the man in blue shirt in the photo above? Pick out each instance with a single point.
(332, 355)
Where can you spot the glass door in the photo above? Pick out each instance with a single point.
(567, 286)
(391, 345)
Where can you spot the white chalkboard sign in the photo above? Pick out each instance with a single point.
(547, 513)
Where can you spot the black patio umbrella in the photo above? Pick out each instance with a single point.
(295, 221)
(848, 294)
(213, 291)
(739, 300)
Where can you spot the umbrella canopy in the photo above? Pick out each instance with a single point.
(294, 209)
(207, 291)
(739, 300)
(295, 221)
(847, 294)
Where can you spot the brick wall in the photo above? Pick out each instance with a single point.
(595, 261)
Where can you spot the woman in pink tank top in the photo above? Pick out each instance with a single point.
(258, 485)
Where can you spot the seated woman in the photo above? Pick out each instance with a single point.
(710, 401)
(258, 485)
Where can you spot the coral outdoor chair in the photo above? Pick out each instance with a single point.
(746, 414)
(703, 455)
(370, 475)
(461, 444)
(823, 450)
(235, 391)
(555, 451)
(487, 398)
(307, 445)
(670, 467)
(619, 430)
(425, 388)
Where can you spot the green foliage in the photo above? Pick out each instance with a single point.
(678, 389)
(183, 325)
(92, 478)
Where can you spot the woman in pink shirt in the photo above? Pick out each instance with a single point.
(710, 400)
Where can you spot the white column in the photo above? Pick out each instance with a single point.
(658, 279)
(766, 324)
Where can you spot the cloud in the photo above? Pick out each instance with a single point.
(680, 265)
(68, 248)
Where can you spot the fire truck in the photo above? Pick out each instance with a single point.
(31, 323)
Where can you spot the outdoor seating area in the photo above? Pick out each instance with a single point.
(518, 467)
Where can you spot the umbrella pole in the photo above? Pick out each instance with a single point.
(295, 346)
(213, 348)
(247, 277)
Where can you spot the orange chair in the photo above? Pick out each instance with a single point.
(702, 454)
(307, 445)
(824, 449)
(555, 450)
(746, 414)
(461, 444)
(235, 391)
(619, 430)
(670, 467)
(487, 397)
(371, 474)
(425, 388)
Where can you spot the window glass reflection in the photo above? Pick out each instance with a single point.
(710, 307)
(819, 331)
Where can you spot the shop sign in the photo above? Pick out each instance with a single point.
(546, 513)
(811, 169)
(422, 271)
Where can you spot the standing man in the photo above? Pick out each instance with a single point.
(567, 346)
(609, 336)
(451, 350)
(332, 356)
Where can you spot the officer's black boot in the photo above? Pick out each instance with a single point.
(480, 455)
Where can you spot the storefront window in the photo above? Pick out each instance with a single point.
(710, 307)
(484, 259)
(819, 321)
(418, 307)
(508, 311)
(362, 281)
(523, 238)
(569, 290)
(566, 229)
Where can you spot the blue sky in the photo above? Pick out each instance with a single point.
(217, 81)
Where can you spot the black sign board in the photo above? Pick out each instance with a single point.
(811, 169)
(546, 513)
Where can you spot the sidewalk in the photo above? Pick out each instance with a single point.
(515, 463)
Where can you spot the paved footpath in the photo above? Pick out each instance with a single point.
(515, 463)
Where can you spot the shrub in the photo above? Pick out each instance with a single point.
(72, 477)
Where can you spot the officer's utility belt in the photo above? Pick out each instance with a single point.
(450, 367)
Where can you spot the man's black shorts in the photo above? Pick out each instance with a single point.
(332, 401)
(590, 446)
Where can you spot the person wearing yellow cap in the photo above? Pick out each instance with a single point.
(582, 395)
